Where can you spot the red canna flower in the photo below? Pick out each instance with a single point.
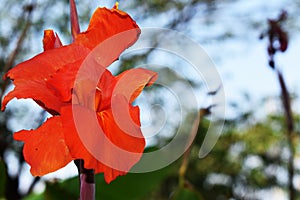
(93, 117)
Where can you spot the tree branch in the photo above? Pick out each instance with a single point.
(12, 56)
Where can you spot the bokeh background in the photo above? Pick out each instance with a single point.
(251, 159)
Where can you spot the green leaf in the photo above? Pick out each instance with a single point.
(131, 186)
(34, 197)
(55, 191)
(186, 194)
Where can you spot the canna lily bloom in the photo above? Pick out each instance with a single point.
(92, 113)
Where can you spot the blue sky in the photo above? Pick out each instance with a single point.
(242, 61)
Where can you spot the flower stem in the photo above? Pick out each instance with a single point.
(277, 35)
(290, 129)
(87, 181)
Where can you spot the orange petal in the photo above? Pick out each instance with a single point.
(47, 63)
(31, 76)
(98, 140)
(81, 81)
(108, 24)
(38, 91)
(51, 40)
(123, 117)
(45, 149)
(131, 83)
(105, 85)
(62, 82)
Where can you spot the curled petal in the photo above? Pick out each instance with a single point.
(45, 149)
(108, 23)
(51, 40)
(123, 116)
(131, 83)
(106, 85)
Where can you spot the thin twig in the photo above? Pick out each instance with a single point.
(185, 160)
(34, 182)
(184, 165)
(285, 97)
(286, 103)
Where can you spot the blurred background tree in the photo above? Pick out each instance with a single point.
(250, 159)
